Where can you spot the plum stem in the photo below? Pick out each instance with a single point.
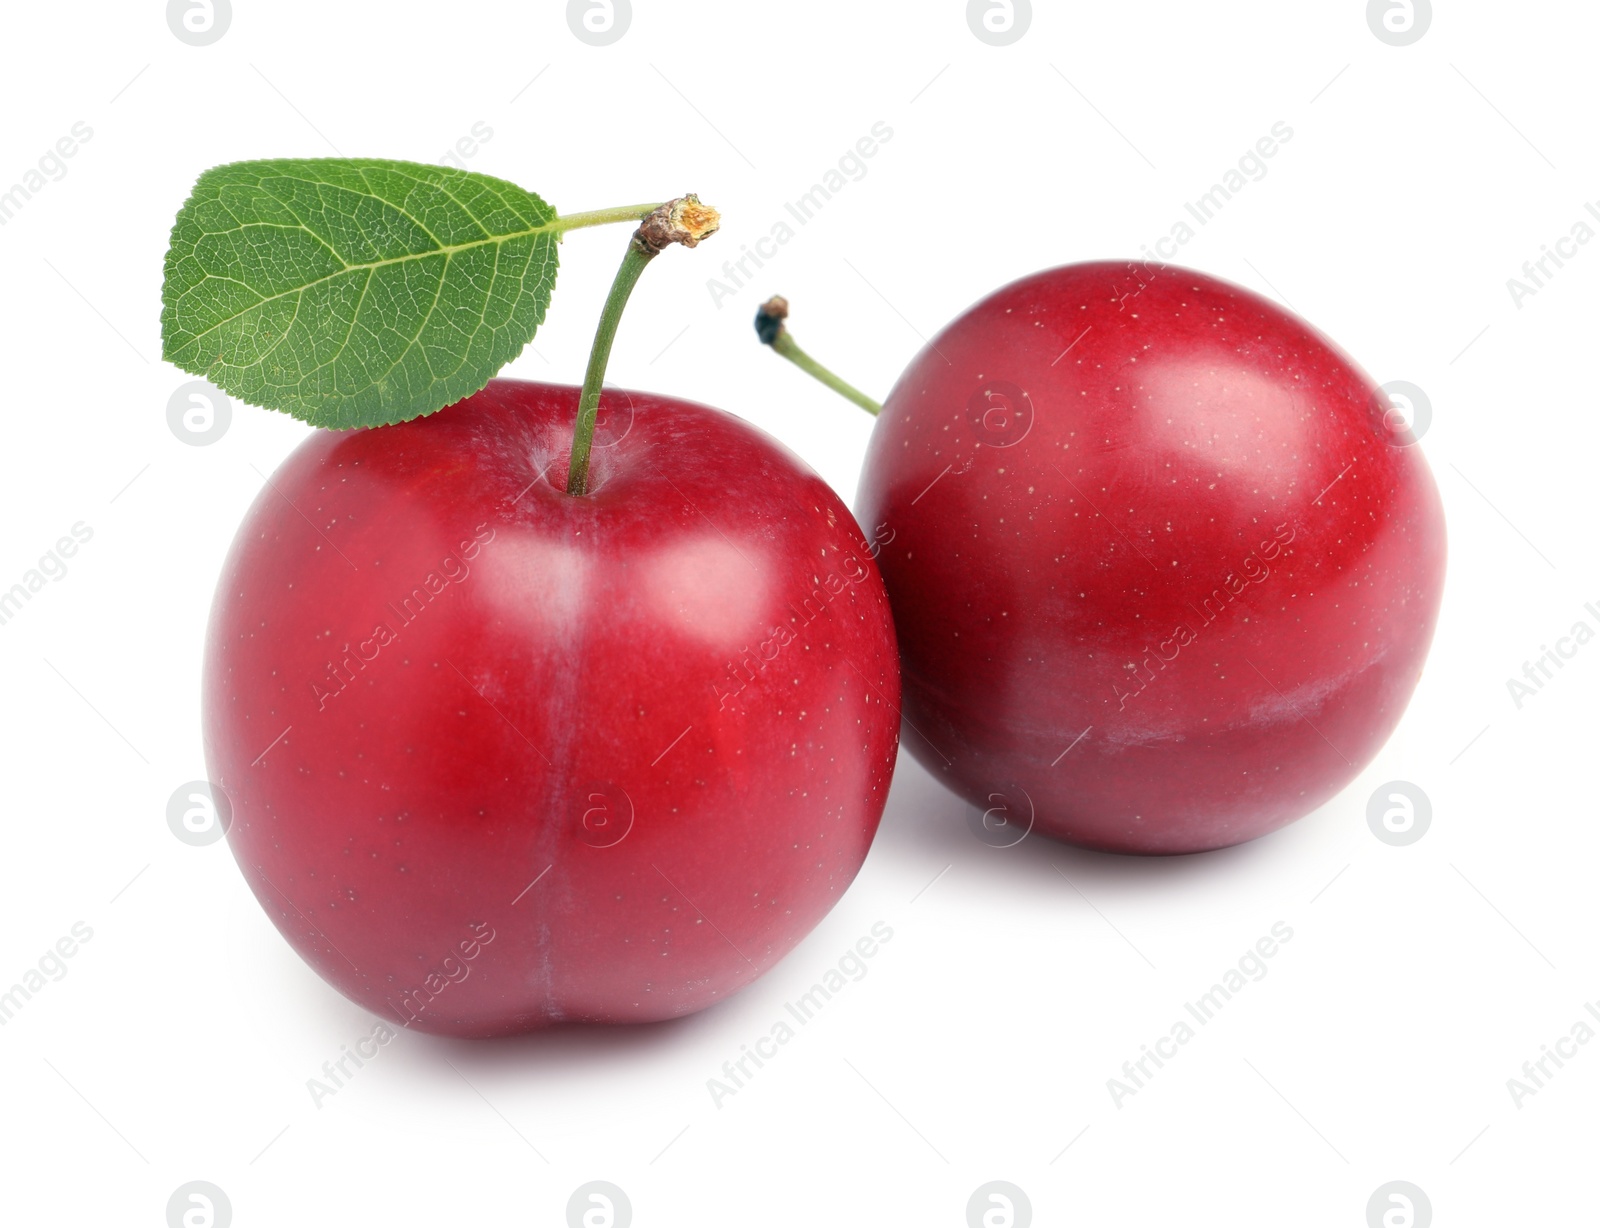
(683, 220)
(773, 332)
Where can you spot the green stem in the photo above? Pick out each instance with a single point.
(602, 217)
(785, 345)
(633, 264)
(685, 220)
(773, 332)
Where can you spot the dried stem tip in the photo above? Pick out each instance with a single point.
(684, 220)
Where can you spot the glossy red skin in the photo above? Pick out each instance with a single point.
(576, 663)
(1039, 588)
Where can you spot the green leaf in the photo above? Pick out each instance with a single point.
(354, 291)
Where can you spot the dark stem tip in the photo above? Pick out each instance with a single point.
(770, 317)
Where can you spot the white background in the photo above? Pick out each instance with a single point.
(979, 1044)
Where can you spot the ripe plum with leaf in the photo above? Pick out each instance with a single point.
(522, 719)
